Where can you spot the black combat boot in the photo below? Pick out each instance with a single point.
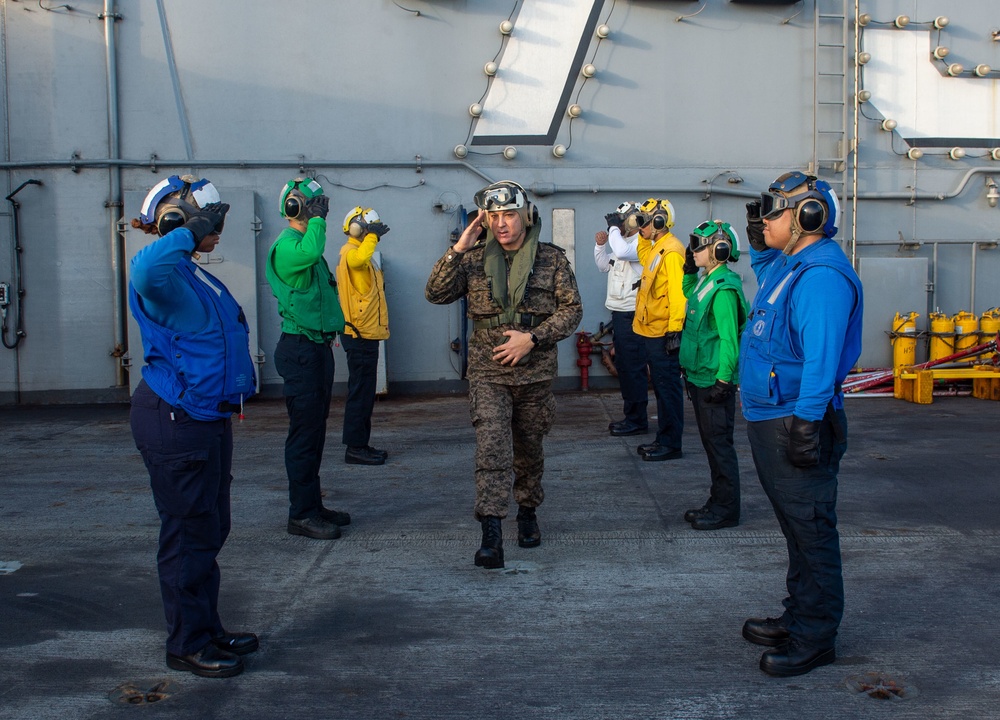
(490, 555)
(528, 535)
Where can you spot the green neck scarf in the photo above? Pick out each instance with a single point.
(508, 285)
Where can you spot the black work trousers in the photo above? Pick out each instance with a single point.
(630, 362)
(665, 372)
(362, 368)
(805, 504)
(307, 369)
(715, 426)
(189, 463)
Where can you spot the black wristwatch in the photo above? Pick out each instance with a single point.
(534, 339)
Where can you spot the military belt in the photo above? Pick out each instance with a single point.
(526, 319)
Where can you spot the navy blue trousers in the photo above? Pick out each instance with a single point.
(189, 463)
(665, 372)
(630, 362)
(716, 422)
(307, 369)
(805, 504)
(362, 379)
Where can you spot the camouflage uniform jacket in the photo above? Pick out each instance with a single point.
(551, 302)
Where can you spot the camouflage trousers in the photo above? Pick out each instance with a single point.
(510, 423)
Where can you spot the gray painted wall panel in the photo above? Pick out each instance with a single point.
(672, 107)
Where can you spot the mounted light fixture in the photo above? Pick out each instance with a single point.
(889, 124)
(914, 153)
(460, 151)
(475, 109)
(506, 27)
(955, 69)
(902, 21)
(510, 152)
(863, 58)
(864, 19)
(956, 153)
(983, 70)
(559, 151)
(603, 31)
(574, 111)
(490, 68)
(941, 52)
(864, 96)
(995, 153)
(940, 22)
(588, 71)
(992, 194)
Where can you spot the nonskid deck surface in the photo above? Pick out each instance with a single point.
(624, 611)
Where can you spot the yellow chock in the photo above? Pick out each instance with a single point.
(987, 388)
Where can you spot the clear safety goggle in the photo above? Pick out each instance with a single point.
(500, 197)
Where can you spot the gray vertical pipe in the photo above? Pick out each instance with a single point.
(168, 48)
(114, 203)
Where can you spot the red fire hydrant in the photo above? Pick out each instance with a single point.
(584, 347)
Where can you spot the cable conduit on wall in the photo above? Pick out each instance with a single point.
(539, 189)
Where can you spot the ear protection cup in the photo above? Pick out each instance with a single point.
(660, 212)
(721, 236)
(292, 206)
(356, 219)
(810, 215)
(532, 212)
(170, 220)
(294, 195)
(722, 251)
(815, 209)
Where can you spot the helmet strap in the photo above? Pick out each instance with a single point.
(796, 234)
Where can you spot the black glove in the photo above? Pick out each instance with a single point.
(689, 267)
(719, 393)
(317, 206)
(206, 221)
(803, 442)
(379, 228)
(755, 227)
(614, 219)
(673, 342)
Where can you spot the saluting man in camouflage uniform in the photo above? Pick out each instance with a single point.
(523, 299)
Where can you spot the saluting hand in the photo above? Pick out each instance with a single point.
(471, 232)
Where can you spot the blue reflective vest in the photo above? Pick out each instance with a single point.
(207, 372)
(771, 356)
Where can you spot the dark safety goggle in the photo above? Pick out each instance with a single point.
(707, 234)
(501, 197)
(772, 205)
(776, 200)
